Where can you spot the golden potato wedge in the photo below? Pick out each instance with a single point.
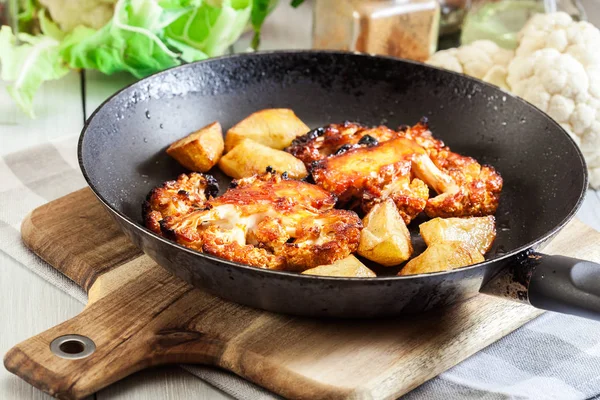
(201, 150)
(475, 232)
(349, 267)
(442, 256)
(249, 158)
(273, 127)
(385, 238)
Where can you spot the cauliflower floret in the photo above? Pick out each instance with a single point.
(557, 68)
(558, 31)
(482, 59)
(497, 76)
(71, 13)
(568, 91)
(550, 80)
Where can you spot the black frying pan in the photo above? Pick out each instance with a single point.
(122, 156)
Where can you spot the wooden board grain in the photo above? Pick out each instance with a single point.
(95, 244)
(139, 316)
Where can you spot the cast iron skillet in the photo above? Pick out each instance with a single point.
(121, 152)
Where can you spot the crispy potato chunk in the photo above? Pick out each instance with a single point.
(273, 127)
(442, 256)
(349, 267)
(475, 232)
(250, 158)
(201, 150)
(385, 238)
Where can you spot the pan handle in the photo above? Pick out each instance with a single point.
(566, 285)
(555, 283)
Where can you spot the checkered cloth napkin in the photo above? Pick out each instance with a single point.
(552, 357)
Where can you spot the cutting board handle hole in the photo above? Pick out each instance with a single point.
(72, 347)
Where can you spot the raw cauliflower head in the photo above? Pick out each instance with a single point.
(559, 31)
(71, 13)
(557, 68)
(482, 59)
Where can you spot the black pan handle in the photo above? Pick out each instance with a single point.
(566, 285)
(555, 283)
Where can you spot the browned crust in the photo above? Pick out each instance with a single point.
(328, 152)
(177, 198)
(296, 225)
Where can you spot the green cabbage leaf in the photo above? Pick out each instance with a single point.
(142, 37)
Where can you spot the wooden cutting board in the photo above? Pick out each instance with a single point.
(138, 316)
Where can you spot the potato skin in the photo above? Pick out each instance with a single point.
(200, 150)
(250, 158)
(442, 256)
(349, 267)
(273, 127)
(385, 238)
(474, 232)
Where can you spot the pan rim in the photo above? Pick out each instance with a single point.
(281, 274)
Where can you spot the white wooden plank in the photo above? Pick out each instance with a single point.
(58, 109)
(29, 306)
(99, 87)
(285, 28)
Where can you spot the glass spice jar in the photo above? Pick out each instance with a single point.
(400, 28)
(452, 14)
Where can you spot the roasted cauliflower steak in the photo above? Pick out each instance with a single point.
(365, 166)
(177, 198)
(267, 221)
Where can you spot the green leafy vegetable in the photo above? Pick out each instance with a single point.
(211, 29)
(49, 27)
(28, 65)
(138, 36)
(25, 10)
(175, 4)
(260, 9)
(129, 42)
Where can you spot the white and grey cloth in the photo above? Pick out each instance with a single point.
(553, 357)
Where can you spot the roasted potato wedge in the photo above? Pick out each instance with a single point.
(385, 238)
(349, 267)
(474, 232)
(249, 158)
(273, 127)
(442, 256)
(201, 150)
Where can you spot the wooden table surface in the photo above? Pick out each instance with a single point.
(31, 305)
